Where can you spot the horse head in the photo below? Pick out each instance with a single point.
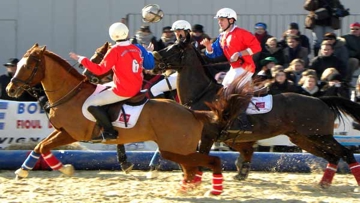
(30, 71)
(172, 57)
(97, 58)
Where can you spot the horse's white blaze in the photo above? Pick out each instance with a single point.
(20, 64)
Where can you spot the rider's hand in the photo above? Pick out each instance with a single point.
(205, 42)
(74, 56)
(150, 47)
(235, 56)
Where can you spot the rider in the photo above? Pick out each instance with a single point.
(181, 28)
(127, 62)
(235, 43)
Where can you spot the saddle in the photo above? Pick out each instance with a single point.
(113, 110)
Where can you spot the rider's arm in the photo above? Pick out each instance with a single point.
(98, 69)
(252, 44)
(216, 50)
(148, 58)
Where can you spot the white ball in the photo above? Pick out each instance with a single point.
(152, 13)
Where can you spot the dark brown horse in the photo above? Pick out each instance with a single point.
(67, 90)
(307, 121)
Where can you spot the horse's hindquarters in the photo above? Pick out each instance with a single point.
(175, 127)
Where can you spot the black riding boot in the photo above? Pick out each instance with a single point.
(103, 119)
(241, 124)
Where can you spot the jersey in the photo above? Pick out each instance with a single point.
(126, 61)
(236, 40)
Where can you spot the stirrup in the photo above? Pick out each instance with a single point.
(104, 137)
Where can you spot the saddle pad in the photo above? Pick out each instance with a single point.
(263, 104)
(132, 112)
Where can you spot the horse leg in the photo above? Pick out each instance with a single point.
(122, 158)
(331, 146)
(190, 165)
(55, 139)
(324, 146)
(243, 162)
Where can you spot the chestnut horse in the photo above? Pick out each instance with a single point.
(195, 87)
(307, 121)
(67, 90)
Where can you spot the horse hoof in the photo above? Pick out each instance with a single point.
(127, 167)
(152, 174)
(210, 193)
(324, 185)
(357, 190)
(21, 173)
(240, 177)
(67, 169)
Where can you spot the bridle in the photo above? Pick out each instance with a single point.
(32, 90)
(26, 83)
(164, 64)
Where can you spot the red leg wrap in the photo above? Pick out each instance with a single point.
(355, 170)
(52, 161)
(328, 176)
(217, 186)
(198, 177)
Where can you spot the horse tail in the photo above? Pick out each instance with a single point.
(346, 106)
(205, 116)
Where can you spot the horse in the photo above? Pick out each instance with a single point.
(307, 121)
(67, 90)
(204, 90)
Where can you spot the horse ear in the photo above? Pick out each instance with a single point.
(34, 46)
(187, 39)
(43, 49)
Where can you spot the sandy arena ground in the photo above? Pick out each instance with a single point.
(113, 186)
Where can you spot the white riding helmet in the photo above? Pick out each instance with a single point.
(226, 13)
(118, 31)
(181, 25)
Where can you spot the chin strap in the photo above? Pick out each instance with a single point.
(228, 25)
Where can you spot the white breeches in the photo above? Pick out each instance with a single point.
(234, 73)
(103, 98)
(162, 85)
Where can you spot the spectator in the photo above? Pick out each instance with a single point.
(335, 88)
(325, 76)
(326, 60)
(294, 51)
(340, 51)
(267, 64)
(11, 66)
(293, 29)
(261, 33)
(281, 84)
(309, 86)
(295, 70)
(198, 35)
(323, 17)
(272, 49)
(145, 37)
(352, 43)
(167, 38)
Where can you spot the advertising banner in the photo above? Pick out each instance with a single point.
(22, 122)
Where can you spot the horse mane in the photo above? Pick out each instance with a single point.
(203, 64)
(232, 100)
(64, 64)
